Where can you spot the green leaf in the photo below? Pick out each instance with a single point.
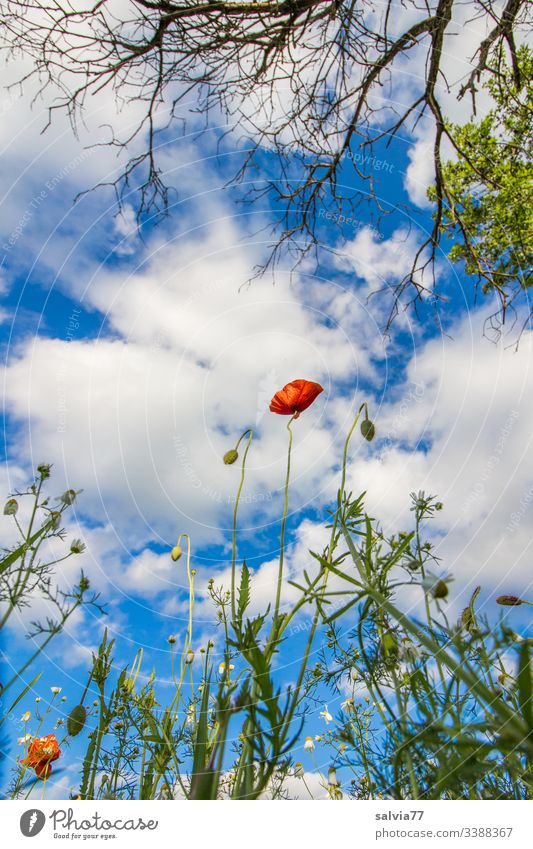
(204, 778)
(76, 720)
(17, 553)
(244, 590)
(20, 697)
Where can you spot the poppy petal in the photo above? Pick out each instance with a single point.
(295, 397)
(43, 769)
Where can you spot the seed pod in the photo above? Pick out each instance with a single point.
(368, 430)
(509, 600)
(230, 457)
(76, 720)
(389, 645)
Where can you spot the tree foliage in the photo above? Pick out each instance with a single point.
(489, 209)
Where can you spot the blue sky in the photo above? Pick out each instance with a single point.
(133, 359)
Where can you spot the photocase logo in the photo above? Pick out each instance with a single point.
(32, 822)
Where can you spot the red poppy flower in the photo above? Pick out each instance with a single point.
(295, 397)
(41, 752)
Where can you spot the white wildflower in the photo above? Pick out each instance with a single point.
(326, 716)
(23, 740)
(309, 745)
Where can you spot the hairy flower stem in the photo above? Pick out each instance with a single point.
(284, 522)
(427, 605)
(24, 571)
(188, 637)
(331, 548)
(234, 525)
(332, 542)
(100, 732)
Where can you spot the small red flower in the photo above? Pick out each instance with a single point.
(295, 397)
(41, 752)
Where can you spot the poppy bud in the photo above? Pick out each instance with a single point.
(230, 457)
(76, 720)
(509, 600)
(44, 470)
(171, 640)
(467, 620)
(189, 657)
(368, 430)
(11, 507)
(176, 553)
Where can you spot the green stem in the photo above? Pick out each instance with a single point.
(460, 669)
(234, 525)
(99, 737)
(284, 522)
(316, 617)
(188, 638)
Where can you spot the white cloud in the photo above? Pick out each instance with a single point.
(420, 172)
(141, 421)
(379, 260)
(310, 786)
